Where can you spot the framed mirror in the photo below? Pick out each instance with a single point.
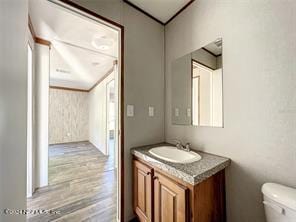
(197, 87)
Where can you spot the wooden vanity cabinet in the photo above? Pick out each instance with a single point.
(143, 191)
(159, 197)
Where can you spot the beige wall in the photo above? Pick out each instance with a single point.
(13, 106)
(259, 93)
(68, 116)
(143, 79)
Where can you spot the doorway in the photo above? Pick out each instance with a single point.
(104, 144)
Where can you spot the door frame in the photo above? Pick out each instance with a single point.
(82, 11)
(30, 122)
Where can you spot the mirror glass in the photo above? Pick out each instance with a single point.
(197, 96)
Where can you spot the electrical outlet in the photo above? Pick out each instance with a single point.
(151, 111)
(130, 110)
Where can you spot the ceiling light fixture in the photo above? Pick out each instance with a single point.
(102, 43)
(95, 63)
(63, 71)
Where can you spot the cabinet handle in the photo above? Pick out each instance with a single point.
(155, 178)
(148, 173)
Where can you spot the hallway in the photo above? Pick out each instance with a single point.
(82, 185)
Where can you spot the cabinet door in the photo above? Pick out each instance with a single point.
(170, 200)
(142, 191)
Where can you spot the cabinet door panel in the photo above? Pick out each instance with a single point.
(142, 191)
(168, 204)
(170, 200)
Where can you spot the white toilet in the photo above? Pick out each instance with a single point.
(279, 203)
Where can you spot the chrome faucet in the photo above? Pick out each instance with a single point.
(187, 147)
(180, 146)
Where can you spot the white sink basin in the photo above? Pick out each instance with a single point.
(172, 154)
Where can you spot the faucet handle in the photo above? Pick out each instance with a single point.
(177, 142)
(187, 146)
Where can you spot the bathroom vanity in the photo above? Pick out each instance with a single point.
(171, 191)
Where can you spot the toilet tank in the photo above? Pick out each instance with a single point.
(279, 203)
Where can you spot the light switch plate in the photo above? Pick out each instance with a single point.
(151, 111)
(176, 111)
(188, 112)
(130, 110)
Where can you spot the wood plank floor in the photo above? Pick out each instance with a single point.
(82, 185)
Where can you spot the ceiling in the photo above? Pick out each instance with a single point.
(162, 10)
(82, 50)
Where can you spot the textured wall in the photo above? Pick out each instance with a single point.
(259, 66)
(144, 87)
(68, 116)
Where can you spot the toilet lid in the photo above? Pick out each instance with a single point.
(281, 194)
